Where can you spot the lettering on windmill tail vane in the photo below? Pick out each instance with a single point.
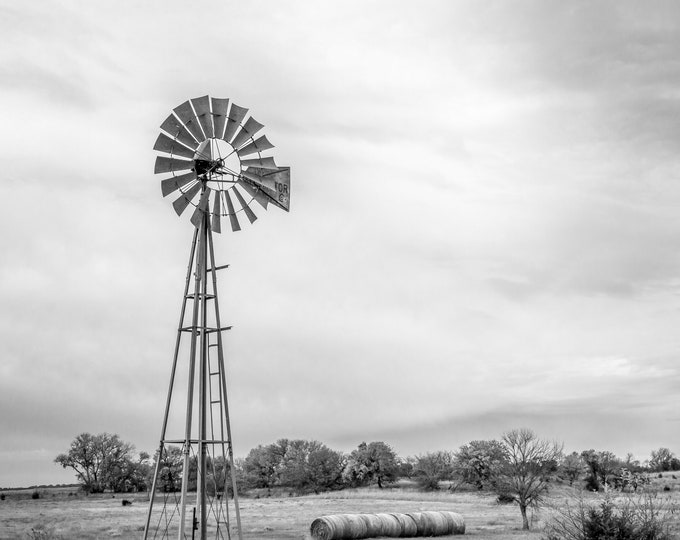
(283, 192)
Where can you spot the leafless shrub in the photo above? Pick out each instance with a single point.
(631, 517)
(42, 532)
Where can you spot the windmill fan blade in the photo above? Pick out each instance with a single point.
(258, 145)
(171, 146)
(234, 118)
(166, 164)
(250, 128)
(186, 114)
(262, 163)
(173, 184)
(249, 213)
(254, 192)
(175, 128)
(183, 201)
(202, 208)
(217, 214)
(219, 107)
(202, 108)
(232, 215)
(204, 151)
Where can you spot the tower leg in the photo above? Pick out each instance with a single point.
(210, 432)
(223, 390)
(203, 395)
(168, 401)
(199, 277)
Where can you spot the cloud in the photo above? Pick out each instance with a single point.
(481, 235)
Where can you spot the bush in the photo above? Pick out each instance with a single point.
(42, 532)
(592, 483)
(629, 518)
(505, 498)
(35, 494)
(431, 468)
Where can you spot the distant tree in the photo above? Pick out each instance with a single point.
(478, 462)
(240, 473)
(632, 464)
(433, 467)
(526, 472)
(572, 467)
(311, 466)
(325, 468)
(101, 461)
(663, 460)
(406, 467)
(293, 469)
(169, 472)
(131, 474)
(602, 468)
(218, 476)
(372, 462)
(262, 466)
(298, 464)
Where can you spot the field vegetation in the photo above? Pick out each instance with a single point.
(61, 513)
(517, 487)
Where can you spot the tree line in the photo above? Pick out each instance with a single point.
(518, 467)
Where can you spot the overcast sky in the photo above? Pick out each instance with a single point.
(484, 230)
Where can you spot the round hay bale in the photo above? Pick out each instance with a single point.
(328, 527)
(457, 523)
(449, 519)
(355, 527)
(434, 524)
(431, 523)
(359, 526)
(373, 525)
(418, 519)
(323, 528)
(407, 525)
(391, 528)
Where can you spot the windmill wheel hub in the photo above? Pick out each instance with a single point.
(216, 161)
(202, 166)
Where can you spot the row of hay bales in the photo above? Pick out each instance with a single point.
(351, 526)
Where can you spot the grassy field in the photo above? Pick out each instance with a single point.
(65, 513)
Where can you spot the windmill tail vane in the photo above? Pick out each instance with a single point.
(214, 155)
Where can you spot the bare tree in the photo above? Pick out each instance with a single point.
(526, 472)
(663, 460)
(433, 467)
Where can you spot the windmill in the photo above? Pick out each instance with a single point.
(213, 153)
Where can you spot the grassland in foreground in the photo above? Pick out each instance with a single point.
(66, 514)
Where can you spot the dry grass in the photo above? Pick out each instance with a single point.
(281, 518)
(56, 515)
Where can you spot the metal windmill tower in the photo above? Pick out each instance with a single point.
(216, 165)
